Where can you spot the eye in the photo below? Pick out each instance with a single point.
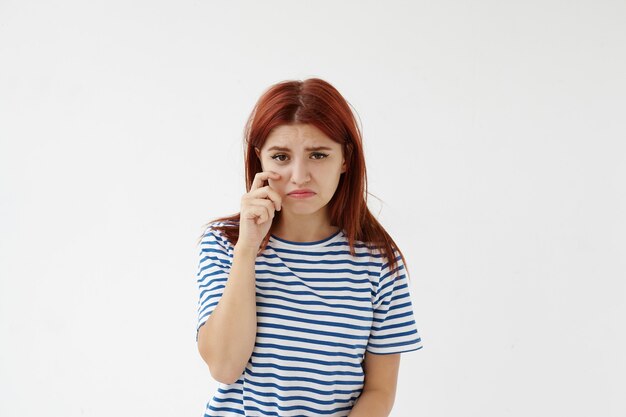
(278, 156)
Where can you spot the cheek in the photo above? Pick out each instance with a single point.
(284, 172)
(277, 185)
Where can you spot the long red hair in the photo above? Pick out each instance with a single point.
(316, 102)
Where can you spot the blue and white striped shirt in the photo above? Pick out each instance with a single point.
(318, 310)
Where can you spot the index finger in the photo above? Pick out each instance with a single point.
(260, 178)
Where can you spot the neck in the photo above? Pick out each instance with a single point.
(303, 228)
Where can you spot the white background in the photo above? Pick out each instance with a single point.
(494, 136)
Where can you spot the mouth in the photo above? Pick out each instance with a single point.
(301, 195)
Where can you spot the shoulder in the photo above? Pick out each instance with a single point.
(367, 257)
(214, 233)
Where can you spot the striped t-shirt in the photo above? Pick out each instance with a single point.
(318, 310)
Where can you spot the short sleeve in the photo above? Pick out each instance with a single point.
(214, 262)
(393, 329)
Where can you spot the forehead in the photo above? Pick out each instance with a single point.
(295, 136)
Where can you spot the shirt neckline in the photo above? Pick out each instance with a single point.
(280, 242)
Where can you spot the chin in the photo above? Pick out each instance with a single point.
(302, 210)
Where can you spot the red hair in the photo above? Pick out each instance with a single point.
(316, 102)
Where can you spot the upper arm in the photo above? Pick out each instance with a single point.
(214, 263)
(393, 324)
(381, 373)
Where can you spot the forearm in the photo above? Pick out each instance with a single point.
(372, 403)
(228, 340)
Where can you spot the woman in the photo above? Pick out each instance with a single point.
(304, 304)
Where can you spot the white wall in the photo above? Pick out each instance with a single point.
(494, 135)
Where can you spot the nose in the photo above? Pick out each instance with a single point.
(300, 172)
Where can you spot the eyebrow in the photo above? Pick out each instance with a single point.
(313, 148)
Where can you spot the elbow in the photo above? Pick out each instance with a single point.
(224, 377)
(222, 365)
(227, 370)
(220, 371)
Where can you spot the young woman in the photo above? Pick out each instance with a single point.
(304, 304)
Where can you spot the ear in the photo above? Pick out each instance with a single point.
(343, 166)
(258, 152)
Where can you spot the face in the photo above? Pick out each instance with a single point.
(305, 158)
